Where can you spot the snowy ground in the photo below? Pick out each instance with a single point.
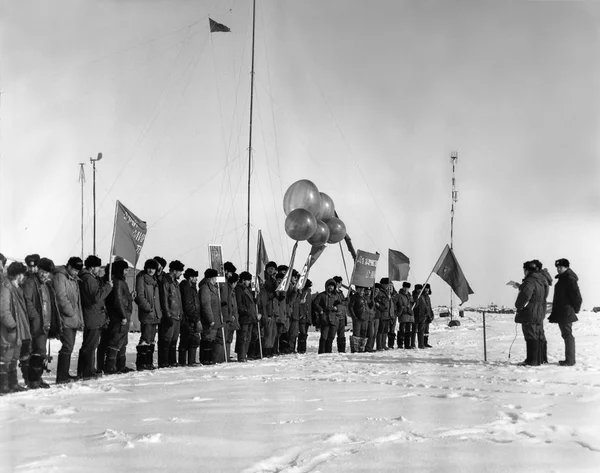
(442, 409)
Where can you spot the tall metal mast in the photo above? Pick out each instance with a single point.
(250, 137)
(82, 181)
(453, 159)
(93, 161)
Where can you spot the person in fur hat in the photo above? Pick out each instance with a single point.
(191, 327)
(119, 307)
(326, 306)
(305, 310)
(172, 313)
(212, 349)
(147, 299)
(404, 311)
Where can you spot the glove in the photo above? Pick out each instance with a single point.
(199, 327)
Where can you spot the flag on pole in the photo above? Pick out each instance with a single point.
(262, 258)
(128, 235)
(217, 27)
(398, 265)
(365, 267)
(285, 282)
(448, 269)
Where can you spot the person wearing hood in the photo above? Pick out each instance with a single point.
(229, 305)
(93, 291)
(531, 310)
(267, 309)
(14, 327)
(68, 298)
(385, 313)
(40, 302)
(119, 307)
(565, 307)
(147, 299)
(172, 312)
(304, 315)
(357, 308)
(342, 314)
(248, 317)
(423, 315)
(325, 306)
(404, 303)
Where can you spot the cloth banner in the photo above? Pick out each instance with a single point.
(398, 266)
(215, 256)
(448, 269)
(129, 235)
(365, 267)
(262, 258)
(285, 282)
(217, 27)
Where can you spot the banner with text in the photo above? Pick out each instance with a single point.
(215, 256)
(129, 235)
(365, 267)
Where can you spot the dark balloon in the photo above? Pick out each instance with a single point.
(321, 236)
(300, 224)
(327, 208)
(302, 194)
(337, 230)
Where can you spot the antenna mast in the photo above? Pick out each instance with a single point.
(82, 181)
(453, 159)
(250, 134)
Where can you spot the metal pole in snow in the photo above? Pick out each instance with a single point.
(484, 340)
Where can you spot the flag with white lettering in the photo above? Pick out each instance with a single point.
(128, 235)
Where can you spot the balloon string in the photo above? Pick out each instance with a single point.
(344, 260)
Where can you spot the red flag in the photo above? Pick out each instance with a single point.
(262, 258)
(448, 269)
(128, 235)
(398, 266)
(285, 282)
(365, 267)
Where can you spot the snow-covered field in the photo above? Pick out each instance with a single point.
(435, 410)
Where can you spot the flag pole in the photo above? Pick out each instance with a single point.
(250, 136)
(484, 340)
(112, 245)
(453, 158)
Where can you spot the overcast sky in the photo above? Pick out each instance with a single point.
(366, 99)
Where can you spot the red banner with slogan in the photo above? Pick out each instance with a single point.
(129, 235)
(365, 267)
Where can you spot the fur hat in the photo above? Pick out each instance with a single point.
(229, 267)
(418, 287)
(406, 284)
(161, 261)
(34, 258)
(75, 263)
(427, 286)
(93, 262)
(329, 282)
(384, 281)
(245, 276)
(378, 286)
(282, 268)
(234, 278)
(271, 264)
(295, 274)
(151, 264)
(211, 273)
(564, 262)
(119, 267)
(46, 264)
(176, 265)
(530, 266)
(15, 268)
(190, 273)
(2, 258)
(280, 275)
(308, 283)
(337, 279)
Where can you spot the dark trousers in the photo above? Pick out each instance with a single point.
(244, 334)
(148, 334)
(533, 331)
(384, 328)
(67, 338)
(360, 328)
(328, 331)
(566, 332)
(372, 330)
(38, 345)
(86, 364)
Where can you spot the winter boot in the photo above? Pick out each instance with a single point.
(426, 341)
(191, 358)
(413, 337)
(302, 343)
(421, 339)
(544, 352)
(13, 381)
(400, 339)
(36, 369)
(182, 357)
(569, 352)
(150, 358)
(101, 353)
(122, 367)
(407, 341)
(362, 344)
(329, 345)
(4, 389)
(141, 357)
(62, 369)
(341, 344)
(532, 353)
(172, 354)
(110, 366)
(24, 365)
(391, 336)
(322, 344)
(353, 344)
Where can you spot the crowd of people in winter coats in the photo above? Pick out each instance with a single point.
(531, 307)
(189, 322)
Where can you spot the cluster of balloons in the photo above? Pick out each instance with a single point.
(311, 215)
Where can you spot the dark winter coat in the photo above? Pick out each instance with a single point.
(229, 307)
(119, 303)
(325, 307)
(531, 300)
(170, 298)
(567, 298)
(93, 292)
(384, 306)
(424, 312)
(191, 306)
(147, 298)
(357, 307)
(293, 304)
(210, 307)
(14, 325)
(404, 303)
(68, 298)
(305, 306)
(245, 305)
(39, 305)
